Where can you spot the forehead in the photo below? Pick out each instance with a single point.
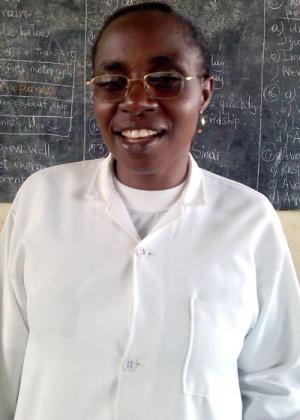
(141, 36)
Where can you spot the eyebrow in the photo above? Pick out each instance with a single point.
(164, 60)
(112, 65)
(168, 62)
(159, 60)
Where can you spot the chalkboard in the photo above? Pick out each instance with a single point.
(252, 131)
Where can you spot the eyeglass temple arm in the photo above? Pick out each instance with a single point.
(197, 76)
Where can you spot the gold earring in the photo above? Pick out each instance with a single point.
(201, 123)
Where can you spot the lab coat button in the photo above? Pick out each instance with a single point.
(141, 252)
(130, 365)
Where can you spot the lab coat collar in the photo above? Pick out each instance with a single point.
(102, 185)
(194, 189)
(103, 190)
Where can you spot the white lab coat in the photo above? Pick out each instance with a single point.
(199, 320)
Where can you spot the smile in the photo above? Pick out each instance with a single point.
(135, 134)
(140, 140)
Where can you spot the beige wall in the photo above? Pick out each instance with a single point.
(3, 212)
(291, 225)
(289, 219)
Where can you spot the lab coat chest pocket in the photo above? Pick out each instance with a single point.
(213, 348)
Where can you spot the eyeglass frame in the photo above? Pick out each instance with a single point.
(145, 85)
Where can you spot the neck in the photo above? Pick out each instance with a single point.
(158, 180)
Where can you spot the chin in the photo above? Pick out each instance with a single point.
(143, 169)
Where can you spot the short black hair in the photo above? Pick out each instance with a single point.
(196, 36)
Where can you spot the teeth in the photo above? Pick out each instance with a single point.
(134, 134)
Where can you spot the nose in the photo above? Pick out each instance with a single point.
(137, 100)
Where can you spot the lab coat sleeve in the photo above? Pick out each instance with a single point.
(13, 323)
(269, 364)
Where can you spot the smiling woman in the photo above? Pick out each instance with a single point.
(139, 286)
(160, 86)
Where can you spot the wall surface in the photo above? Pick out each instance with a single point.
(291, 225)
(290, 221)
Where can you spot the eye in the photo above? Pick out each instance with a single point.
(110, 83)
(164, 80)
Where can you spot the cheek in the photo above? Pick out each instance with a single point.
(103, 114)
(187, 119)
(188, 109)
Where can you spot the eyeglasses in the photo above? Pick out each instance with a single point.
(158, 85)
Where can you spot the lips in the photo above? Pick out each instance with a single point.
(139, 133)
(139, 139)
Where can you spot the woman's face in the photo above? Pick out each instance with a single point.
(135, 45)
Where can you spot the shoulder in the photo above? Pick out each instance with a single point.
(75, 172)
(247, 214)
(58, 182)
(231, 200)
(232, 193)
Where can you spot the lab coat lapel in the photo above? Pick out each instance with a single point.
(118, 212)
(102, 188)
(192, 195)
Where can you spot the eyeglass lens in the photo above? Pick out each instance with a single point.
(158, 85)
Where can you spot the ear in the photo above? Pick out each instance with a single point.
(207, 92)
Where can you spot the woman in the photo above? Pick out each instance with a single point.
(140, 287)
